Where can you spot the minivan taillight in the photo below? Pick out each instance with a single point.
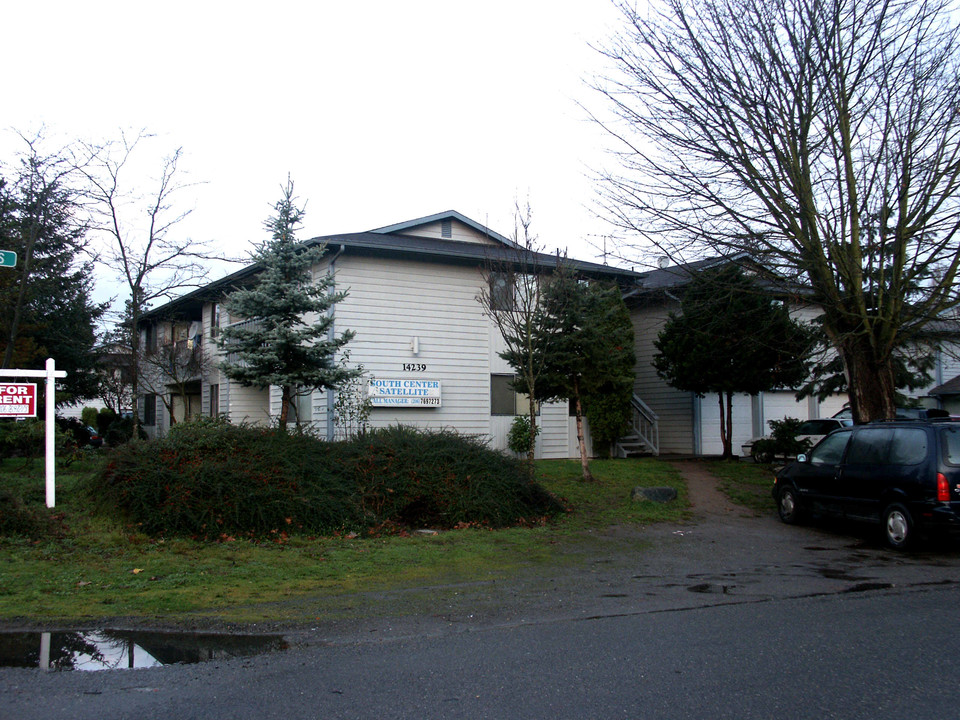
(943, 488)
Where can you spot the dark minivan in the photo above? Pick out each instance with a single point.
(904, 475)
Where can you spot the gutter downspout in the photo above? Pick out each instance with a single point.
(331, 392)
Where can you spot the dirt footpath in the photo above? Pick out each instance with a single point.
(705, 499)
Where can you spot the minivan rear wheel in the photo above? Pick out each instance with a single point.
(897, 526)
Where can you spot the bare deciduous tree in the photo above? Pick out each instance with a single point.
(822, 136)
(169, 370)
(151, 260)
(511, 295)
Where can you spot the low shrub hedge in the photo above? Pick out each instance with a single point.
(211, 479)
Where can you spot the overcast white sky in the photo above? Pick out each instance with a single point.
(380, 111)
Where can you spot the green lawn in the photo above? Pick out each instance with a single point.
(100, 568)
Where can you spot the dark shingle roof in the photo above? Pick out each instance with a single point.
(385, 242)
(676, 275)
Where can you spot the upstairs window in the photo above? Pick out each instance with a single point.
(150, 339)
(501, 292)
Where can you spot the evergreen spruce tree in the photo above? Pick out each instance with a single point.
(609, 386)
(290, 344)
(731, 336)
(46, 305)
(590, 356)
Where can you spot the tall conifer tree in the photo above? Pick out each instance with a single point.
(731, 336)
(46, 305)
(290, 343)
(591, 352)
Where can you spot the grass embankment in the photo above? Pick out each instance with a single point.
(100, 568)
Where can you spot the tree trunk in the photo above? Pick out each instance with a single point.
(584, 460)
(167, 401)
(286, 397)
(135, 361)
(532, 411)
(726, 421)
(728, 435)
(870, 382)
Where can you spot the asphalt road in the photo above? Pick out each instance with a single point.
(728, 616)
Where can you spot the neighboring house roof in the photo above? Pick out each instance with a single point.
(677, 275)
(658, 283)
(397, 241)
(950, 387)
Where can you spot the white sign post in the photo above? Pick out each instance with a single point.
(50, 373)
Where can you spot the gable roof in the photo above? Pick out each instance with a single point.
(407, 225)
(389, 242)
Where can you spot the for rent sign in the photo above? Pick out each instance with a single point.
(18, 399)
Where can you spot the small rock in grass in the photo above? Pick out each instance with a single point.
(654, 494)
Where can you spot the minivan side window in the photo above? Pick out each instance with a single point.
(909, 446)
(950, 439)
(869, 447)
(830, 450)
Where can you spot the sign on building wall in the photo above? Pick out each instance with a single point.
(18, 400)
(406, 392)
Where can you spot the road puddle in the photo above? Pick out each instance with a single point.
(121, 649)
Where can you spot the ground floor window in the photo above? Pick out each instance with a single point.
(184, 407)
(504, 400)
(150, 409)
(301, 407)
(214, 400)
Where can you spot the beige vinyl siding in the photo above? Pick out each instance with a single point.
(240, 404)
(949, 362)
(674, 407)
(947, 367)
(554, 439)
(392, 302)
(553, 442)
(318, 410)
(246, 404)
